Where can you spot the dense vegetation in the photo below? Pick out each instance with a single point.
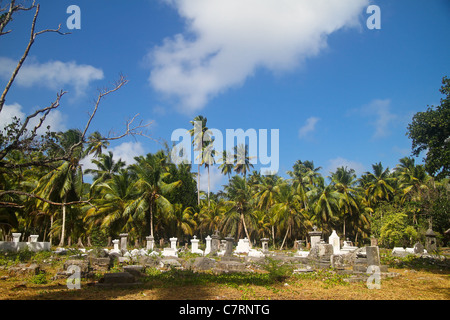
(154, 196)
(43, 191)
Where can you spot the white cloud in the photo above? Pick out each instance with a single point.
(55, 119)
(127, 151)
(217, 179)
(335, 163)
(226, 41)
(383, 119)
(55, 75)
(310, 126)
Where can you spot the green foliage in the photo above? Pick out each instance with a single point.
(391, 224)
(277, 270)
(40, 278)
(430, 131)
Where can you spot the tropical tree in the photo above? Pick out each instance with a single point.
(240, 207)
(107, 167)
(378, 184)
(345, 182)
(152, 189)
(113, 198)
(287, 209)
(200, 133)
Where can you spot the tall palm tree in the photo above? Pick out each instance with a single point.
(200, 133)
(152, 189)
(208, 160)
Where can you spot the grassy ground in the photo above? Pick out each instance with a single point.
(416, 280)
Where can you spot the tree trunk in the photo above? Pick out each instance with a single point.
(151, 219)
(284, 240)
(245, 229)
(51, 226)
(198, 185)
(63, 229)
(273, 235)
(208, 186)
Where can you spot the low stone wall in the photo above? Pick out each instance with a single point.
(16, 246)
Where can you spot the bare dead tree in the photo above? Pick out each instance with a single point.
(22, 139)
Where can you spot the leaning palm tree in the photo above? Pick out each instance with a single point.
(152, 188)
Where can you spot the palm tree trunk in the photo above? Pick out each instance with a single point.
(63, 231)
(245, 229)
(198, 185)
(285, 236)
(208, 186)
(151, 218)
(273, 235)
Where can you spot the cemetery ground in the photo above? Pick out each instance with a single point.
(28, 276)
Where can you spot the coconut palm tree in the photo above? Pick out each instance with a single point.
(113, 198)
(152, 189)
(227, 164)
(344, 181)
(200, 133)
(242, 160)
(378, 184)
(64, 183)
(287, 209)
(210, 217)
(107, 167)
(239, 206)
(324, 202)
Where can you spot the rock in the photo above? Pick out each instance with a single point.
(117, 278)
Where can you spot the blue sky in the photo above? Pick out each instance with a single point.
(338, 92)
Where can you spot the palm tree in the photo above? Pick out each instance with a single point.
(378, 185)
(344, 181)
(227, 164)
(152, 189)
(242, 160)
(182, 220)
(64, 183)
(239, 206)
(106, 168)
(114, 197)
(200, 133)
(210, 217)
(287, 209)
(324, 202)
(208, 160)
